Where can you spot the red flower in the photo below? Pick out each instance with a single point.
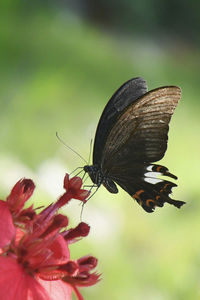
(34, 256)
(73, 190)
(12, 210)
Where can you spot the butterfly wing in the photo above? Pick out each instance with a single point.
(128, 93)
(140, 134)
(140, 182)
(138, 138)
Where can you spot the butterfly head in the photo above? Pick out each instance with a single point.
(95, 174)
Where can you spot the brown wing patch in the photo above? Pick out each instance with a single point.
(140, 133)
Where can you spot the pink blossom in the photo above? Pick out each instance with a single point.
(35, 259)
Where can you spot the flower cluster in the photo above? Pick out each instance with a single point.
(35, 260)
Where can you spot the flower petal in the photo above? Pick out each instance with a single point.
(7, 227)
(57, 289)
(16, 284)
(75, 183)
(60, 251)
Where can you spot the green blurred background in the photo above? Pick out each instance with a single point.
(60, 63)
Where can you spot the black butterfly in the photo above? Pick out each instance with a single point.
(131, 135)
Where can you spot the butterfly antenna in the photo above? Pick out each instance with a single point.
(70, 148)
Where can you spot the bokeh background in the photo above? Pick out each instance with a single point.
(60, 63)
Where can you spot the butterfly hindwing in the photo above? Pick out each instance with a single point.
(144, 186)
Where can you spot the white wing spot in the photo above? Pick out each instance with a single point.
(149, 168)
(152, 180)
(152, 174)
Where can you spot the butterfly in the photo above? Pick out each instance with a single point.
(131, 136)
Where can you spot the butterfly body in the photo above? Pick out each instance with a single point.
(98, 178)
(132, 134)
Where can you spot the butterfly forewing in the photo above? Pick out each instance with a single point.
(128, 93)
(140, 133)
